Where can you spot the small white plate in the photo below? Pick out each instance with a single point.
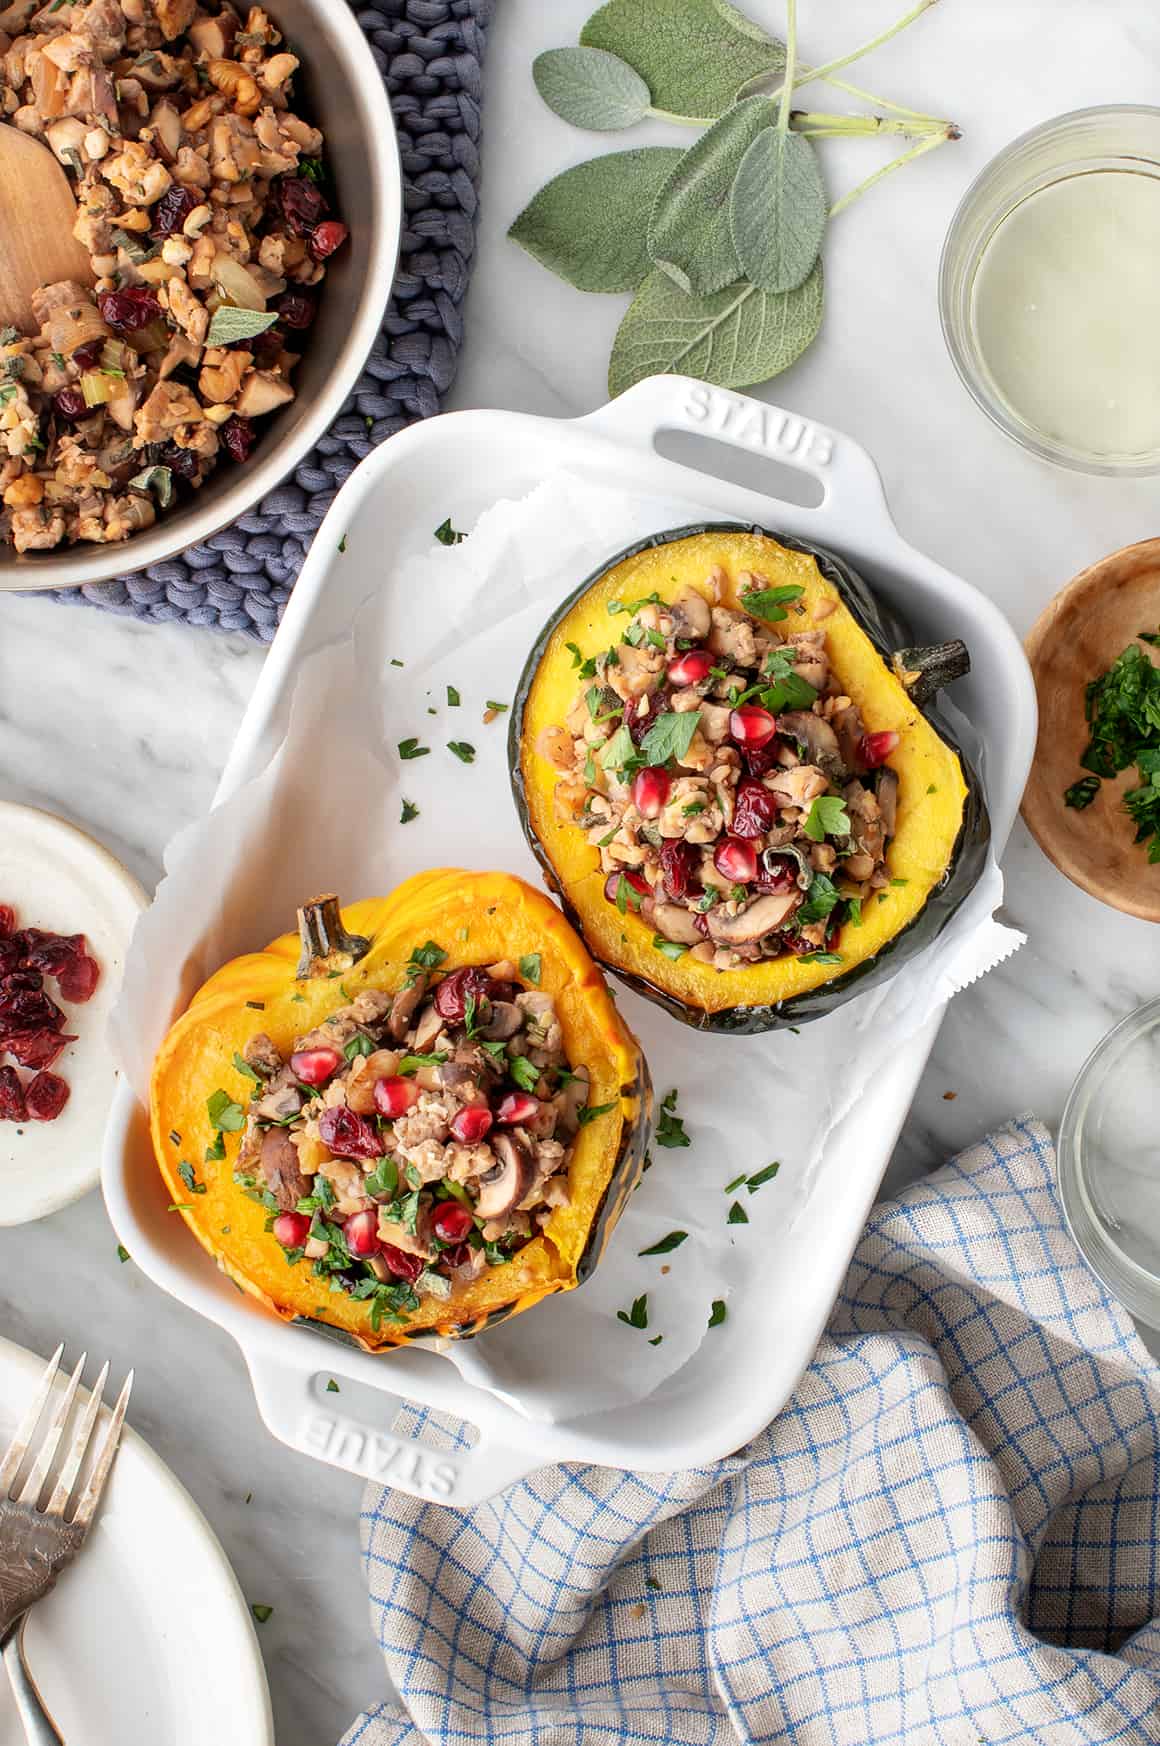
(147, 1637)
(59, 879)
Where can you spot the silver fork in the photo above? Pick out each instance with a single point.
(37, 1541)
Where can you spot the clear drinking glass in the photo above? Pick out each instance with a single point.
(1108, 1162)
(1123, 138)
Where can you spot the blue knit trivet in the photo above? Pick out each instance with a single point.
(430, 54)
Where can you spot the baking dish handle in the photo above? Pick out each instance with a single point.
(850, 482)
(298, 1407)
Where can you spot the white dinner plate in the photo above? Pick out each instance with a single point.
(58, 878)
(146, 1640)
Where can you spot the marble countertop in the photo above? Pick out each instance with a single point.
(124, 728)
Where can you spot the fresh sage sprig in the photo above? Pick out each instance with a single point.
(721, 243)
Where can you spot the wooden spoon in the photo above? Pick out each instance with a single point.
(1076, 638)
(37, 214)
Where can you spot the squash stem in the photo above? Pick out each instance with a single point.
(326, 944)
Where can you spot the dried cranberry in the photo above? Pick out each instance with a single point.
(36, 1049)
(754, 808)
(173, 208)
(70, 403)
(130, 309)
(457, 1256)
(29, 1009)
(404, 1266)
(238, 436)
(183, 462)
(78, 980)
(266, 347)
(46, 1096)
(760, 760)
(88, 356)
(779, 874)
(19, 979)
(453, 992)
(53, 951)
(680, 864)
(12, 1104)
(7, 920)
(638, 725)
(328, 238)
(348, 1135)
(302, 203)
(11, 957)
(296, 310)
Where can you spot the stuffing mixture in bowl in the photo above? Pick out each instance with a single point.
(724, 777)
(201, 202)
(415, 1138)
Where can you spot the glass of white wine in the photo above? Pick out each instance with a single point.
(1049, 290)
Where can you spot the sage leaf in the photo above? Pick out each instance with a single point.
(689, 233)
(589, 225)
(228, 324)
(694, 55)
(733, 338)
(777, 210)
(591, 88)
(158, 480)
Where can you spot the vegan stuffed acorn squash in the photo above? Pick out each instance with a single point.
(417, 1117)
(748, 803)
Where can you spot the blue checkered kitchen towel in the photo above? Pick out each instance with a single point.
(949, 1536)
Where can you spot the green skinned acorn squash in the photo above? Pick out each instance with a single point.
(940, 843)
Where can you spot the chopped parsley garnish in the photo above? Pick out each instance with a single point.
(122, 1252)
(260, 1612)
(670, 735)
(243, 1066)
(619, 753)
(827, 817)
(530, 965)
(189, 1176)
(427, 957)
(671, 1126)
(854, 911)
(358, 1045)
(820, 958)
(717, 1312)
(761, 1177)
(731, 1187)
(666, 1245)
(586, 664)
(497, 708)
(1081, 793)
(821, 898)
(410, 811)
(463, 751)
(412, 1063)
(592, 1111)
(332, 1387)
(637, 1316)
(737, 1214)
(525, 1073)
(410, 748)
(1122, 707)
(768, 603)
(668, 948)
(224, 1114)
(453, 699)
(448, 535)
(616, 607)
(383, 1179)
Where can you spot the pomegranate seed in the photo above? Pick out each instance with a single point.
(754, 808)
(635, 882)
(302, 203)
(452, 994)
(315, 1066)
(173, 208)
(361, 1231)
(750, 726)
(46, 1096)
(296, 310)
(874, 749)
(517, 1107)
(638, 725)
(680, 864)
(70, 403)
(126, 311)
(405, 1266)
(736, 860)
(394, 1097)
(7, 920)
(691, 668)
(291, 1229)
(36, 1049)
(470, 1125)
(239, 437)
(78, 980)
(451, 1221)
(328, 237)
(650, 791)
(12, 1105)
(349, 1135)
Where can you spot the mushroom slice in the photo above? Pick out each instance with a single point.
(819, 740)
(569, 1101)
(278, 1159)
(279, 1106)
(505, 1184)
(676, 924)
(404, 1007)
(505, 1020)
(886, 795)
(427, 1027)
(754, 921)
(690, 614)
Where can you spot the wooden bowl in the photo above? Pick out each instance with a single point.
(1074, 640)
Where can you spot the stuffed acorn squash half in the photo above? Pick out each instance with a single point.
(418, 1116)
(735, 774)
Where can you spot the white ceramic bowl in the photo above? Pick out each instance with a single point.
(341, 89)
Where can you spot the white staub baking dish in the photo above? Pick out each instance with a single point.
(736, 1381)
